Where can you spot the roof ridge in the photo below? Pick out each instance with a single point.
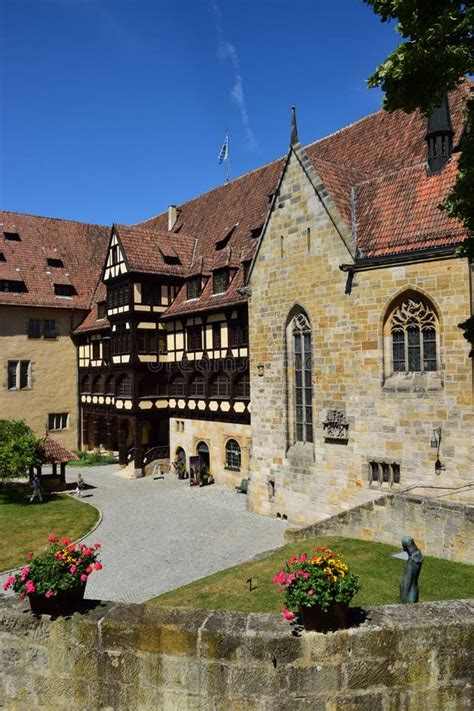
(266, 165)
(211, 190)
(57, 219)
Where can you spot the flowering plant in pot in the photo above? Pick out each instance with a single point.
(55, 580)
(319, 587)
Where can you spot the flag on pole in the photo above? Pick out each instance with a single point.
(224, 152)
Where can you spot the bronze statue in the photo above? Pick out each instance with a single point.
(409, 591)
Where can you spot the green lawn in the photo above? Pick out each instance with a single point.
(25, 527)
(379, 573)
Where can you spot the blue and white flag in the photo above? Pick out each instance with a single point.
(224, 152)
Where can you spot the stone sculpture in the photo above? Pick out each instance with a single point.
(409, 590)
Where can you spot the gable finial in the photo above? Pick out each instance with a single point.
(294, 130)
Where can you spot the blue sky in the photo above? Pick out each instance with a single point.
(112, 109)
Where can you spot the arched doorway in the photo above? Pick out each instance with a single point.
(202, 450)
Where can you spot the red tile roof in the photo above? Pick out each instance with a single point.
(81, 247)
(146, 249)
(374, 170)
(51, 451)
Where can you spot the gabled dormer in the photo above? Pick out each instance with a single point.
(115, 263)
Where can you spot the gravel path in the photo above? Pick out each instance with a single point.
(159, 534)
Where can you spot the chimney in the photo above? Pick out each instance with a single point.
(439, 136)
(172, 216)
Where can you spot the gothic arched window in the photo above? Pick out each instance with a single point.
(413, 327)
(300, 377)
(233, 454)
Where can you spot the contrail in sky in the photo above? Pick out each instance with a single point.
(226, 50)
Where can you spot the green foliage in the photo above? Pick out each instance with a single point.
(437, 53)
(92, 459)
(18, 448)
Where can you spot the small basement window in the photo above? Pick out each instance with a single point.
(12, 236)
(55, 263)
(384, 474)
(2, 257)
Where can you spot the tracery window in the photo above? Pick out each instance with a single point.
(414, 335)
(302, 385)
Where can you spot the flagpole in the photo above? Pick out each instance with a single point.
(227, 167)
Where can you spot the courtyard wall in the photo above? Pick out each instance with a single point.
(442, 529)
(121, 657)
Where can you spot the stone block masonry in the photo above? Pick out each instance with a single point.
(442, 529)
(123, 657)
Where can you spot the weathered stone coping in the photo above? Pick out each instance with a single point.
(443, 529)
(148, 657)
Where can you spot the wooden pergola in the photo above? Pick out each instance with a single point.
(51, 452)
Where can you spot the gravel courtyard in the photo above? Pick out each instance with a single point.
(160, 534)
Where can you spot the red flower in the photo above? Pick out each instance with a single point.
(52, 538)
(66, 540)
(89, 569)
(98, 566)
(30, 554)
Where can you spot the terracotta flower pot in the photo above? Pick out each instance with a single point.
(64, 602)
(336, 617)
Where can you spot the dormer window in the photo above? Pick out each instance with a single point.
(13, 287)
(55, 263)
(194, 288)
(171, 259)
(66, 290)
(220, 244)
(101, 309)
(12, 237)
(221, 281)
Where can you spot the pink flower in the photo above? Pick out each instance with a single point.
(52, 539)
(300, 573)
(22, 596)
(73, 569)
(288, 615)
(98, 566)
(303, 558)
(24, 573)
(290, 579)
(310, 592)
(280, 578)
(30, 586)
(9, 581)
(83, 577)
(49, 593)
(30, 554)
(86, 551)
(306, 575)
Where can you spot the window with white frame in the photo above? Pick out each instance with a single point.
(58, 420)
(18, 374)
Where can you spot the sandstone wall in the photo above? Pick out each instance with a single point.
(390, 419)
(440, 528)
(53, 370)
(122, 657)
(187, 433)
